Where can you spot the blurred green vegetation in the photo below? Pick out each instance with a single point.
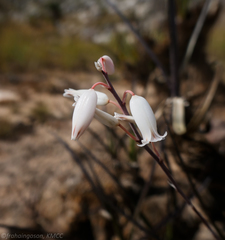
(216, 44)
(27, 48)
(38, 45)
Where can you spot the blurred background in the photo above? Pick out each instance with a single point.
(172, 53)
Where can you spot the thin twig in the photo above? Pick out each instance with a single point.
(195, 34)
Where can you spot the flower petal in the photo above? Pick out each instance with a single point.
(144, 142)
(123, 117)
(106, 118)
(145, 120)
(83, 113)
(102, 97)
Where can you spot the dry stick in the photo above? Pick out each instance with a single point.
(195, 34)
(140, 39)
(173, 49)
(161, 163)
(108, 201)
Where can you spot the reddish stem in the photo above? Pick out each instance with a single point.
(125, 94)
(128, 133)
(116, 104)
(156, 152)
(102, 84)
(102, 61)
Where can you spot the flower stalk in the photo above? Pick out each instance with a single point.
(157, 159)
(142, 115)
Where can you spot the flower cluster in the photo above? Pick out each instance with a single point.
(87, 100)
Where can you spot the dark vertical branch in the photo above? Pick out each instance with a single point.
(173, 49)
(159, 161)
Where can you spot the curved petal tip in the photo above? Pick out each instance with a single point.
(144, 142)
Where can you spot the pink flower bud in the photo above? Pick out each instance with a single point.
(105, 64)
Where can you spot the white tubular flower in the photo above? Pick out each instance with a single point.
(105, 64)
(102, 98)
(106, 118)
(145, 120)
(83, 113)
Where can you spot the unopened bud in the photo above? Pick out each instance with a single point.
(105, 64)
